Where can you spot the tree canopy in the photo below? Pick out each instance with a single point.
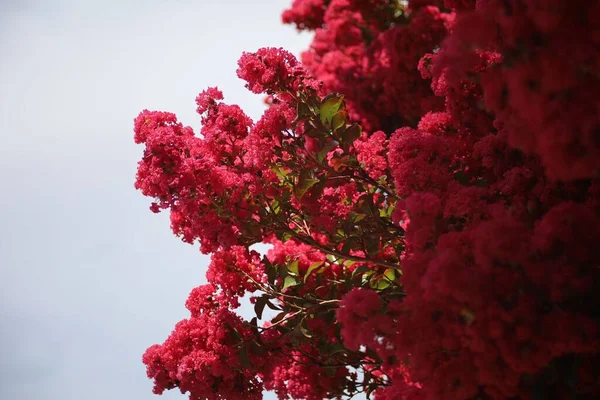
(427, 178)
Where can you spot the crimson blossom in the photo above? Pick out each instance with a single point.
(427, 178)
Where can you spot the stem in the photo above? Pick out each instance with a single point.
(365, 177)
(338, 254)
(272, 292)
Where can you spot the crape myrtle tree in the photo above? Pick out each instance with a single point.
(427, 178)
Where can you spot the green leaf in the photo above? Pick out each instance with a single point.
(266, 262)
(312, 267)
(366, 276)
(362, 205)
(322, 154)
(235, 332)
(359, 217)
(390, 274)
(314, 133)
(273, 306)
(351, 133)
(254, 327)
(386, 212)
(272, 275)
(282, 270)
(372, 245)
(303, 111)
(306, 180)
(259, 306)
(339, 120)
(275, 207)
(349, 244)
(281, 174)
(360, 270)
(244, 359)
(284, 236)
(279, 317)
(293, 267)
(270, 270)
(379, 284)
(338, 161)
(286, 195)
(330, 105)
(289, 281)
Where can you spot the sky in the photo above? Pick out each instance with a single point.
(89, 277)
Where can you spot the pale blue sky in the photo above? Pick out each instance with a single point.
(89, 277)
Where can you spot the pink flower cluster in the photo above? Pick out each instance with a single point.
(369, 50)
(200, 355)
(543, 88)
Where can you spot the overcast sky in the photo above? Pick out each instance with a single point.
(89, 277)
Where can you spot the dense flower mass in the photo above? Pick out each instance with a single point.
(201, 356)
(428, 181)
